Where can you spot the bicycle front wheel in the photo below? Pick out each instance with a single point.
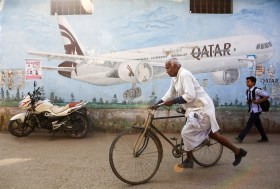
(135, 165)
(208, 153)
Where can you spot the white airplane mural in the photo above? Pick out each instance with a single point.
(219, 56)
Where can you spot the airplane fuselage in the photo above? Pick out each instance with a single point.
(214, 48)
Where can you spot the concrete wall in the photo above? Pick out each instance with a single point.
(115, 120)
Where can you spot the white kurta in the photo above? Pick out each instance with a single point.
(200, 109)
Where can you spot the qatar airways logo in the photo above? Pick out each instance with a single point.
(73, 47)
(211, 50)
(199, 52)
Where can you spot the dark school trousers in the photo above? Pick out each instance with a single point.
(253, 119)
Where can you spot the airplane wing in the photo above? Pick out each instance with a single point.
(65, 69)
(97, 61)
(76, 58)
(80, 58)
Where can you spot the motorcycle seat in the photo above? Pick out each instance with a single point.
(58, 109)
(73, 104)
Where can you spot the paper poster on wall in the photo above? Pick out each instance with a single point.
(251, 64)
(260, 70)
(33, 69)
(12, 78)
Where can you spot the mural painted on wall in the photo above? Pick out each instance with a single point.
(116, 53)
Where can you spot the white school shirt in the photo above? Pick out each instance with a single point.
(186, 85)
(258, 94)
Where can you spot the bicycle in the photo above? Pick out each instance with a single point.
(136, 153)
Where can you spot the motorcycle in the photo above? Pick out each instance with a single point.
(42, 114)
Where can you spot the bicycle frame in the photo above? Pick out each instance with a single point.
(148, 125)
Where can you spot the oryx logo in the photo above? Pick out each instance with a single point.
(130, 73)
(73, 47)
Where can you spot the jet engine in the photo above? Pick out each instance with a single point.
(135, 71)
(226, 77)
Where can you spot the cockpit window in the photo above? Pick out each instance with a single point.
(264, 45)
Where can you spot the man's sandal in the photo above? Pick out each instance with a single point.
(186, 164)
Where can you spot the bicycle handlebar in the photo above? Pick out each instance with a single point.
(156, 106)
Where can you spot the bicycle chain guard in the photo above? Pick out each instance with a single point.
(178, 151)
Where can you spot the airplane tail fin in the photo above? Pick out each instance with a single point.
(72, 45)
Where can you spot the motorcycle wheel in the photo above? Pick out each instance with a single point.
(80, 122)
(21, 129)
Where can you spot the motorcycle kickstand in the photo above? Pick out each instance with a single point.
(53, 135)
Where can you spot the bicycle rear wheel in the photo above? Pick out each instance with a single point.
(208, 153)
(135, 167)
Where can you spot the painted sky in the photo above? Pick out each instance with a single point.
(129, 24)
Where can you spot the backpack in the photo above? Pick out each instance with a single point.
(264, 105)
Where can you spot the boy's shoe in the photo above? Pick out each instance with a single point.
(263, 140)
(186, 164)
(242, 153)
(238, 139)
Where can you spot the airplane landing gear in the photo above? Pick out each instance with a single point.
(130, 94)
